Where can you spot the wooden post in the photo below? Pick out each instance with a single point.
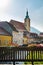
(14, 63)
(32, 57)
(32, 63)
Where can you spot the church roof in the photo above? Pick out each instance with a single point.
(18, 25)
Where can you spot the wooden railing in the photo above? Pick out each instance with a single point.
(21, 54)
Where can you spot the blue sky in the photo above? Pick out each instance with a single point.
(16, 10)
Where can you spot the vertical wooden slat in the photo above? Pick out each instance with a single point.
(15, 54)
(40, 55)
(29, 55)
(25, 55)
(22, 54)
(18, 55)
(36, 54)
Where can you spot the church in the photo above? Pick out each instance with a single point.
(22, 26)
(15, 32)
(23, 36)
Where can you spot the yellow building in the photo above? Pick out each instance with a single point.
(5, 37)
(5, 40)
(25, 40)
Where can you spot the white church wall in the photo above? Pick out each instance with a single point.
(17, 37)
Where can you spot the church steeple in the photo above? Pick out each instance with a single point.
(27, 22)
(27, 16)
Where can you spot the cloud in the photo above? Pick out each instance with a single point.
(37, 19)
(4, 4)
(4, 7)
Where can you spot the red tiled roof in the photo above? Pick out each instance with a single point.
(18, 25)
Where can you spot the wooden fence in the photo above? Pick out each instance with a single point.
(13, 54)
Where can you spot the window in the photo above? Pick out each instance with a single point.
(6, 41)
(0, 42)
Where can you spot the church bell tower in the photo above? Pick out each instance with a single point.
(27, 22)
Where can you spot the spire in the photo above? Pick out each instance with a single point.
(27, 16)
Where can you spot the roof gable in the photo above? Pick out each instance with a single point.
(18, 25)
(8, 27)
(4, 32)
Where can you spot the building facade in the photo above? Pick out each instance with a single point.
(18, 37)
(5, 37)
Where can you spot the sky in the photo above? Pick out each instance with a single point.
(16, 10)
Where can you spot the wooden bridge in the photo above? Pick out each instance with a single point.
(13, 54)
